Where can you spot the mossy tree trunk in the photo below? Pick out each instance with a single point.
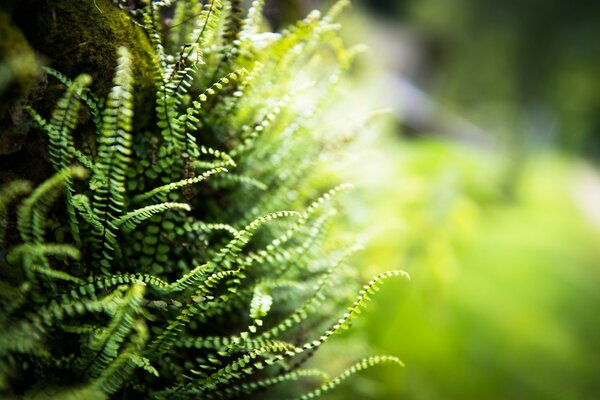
(73, 37)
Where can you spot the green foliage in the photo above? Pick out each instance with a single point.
(167, 275)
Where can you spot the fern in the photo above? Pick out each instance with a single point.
(200, 254)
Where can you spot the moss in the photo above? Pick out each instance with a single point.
(82, 36)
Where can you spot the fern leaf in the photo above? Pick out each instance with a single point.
(114, 142)
(86, 95)
(226, 255)
(61, 250)
(355, 309)
(149, 19)
(117, 373)
(114, 151)
(106, 344)
(249, 387)
(189, 279)
(198, 226)
(184, 19)
(8, 194)
(82, 203)
(361, 365)
(191, 117)
(209, 18)
(30, 329)
(63, 121)
(175, 185)
(129, 221)
(250, 134)
(32, 213)
(166, 339)
(232, 179)
(270, 250)
(240, 367)
(51, 131)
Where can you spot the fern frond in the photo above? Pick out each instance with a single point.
(190, 278)
(276, 256)
(179, 85)
(185, 17)
(223, 156)
(231, 179)
(51, 131)
(243, 365)
(190, 118)
(8, 194)
(209, 19)
(172, 130)
(226, 255)
(175, 185)
(60, 250)
(301, 313)
(240, 367)
(116, 374)
(231, 104)
(250, 134)
(32, 213)
(260, 304)
(106, 344)
(129, 221)
(144, 363)
(361, 365)
(54, 274)
(270, 250)
(165, 340)
(86, 95)
(149, 19)
(95, 285)
(249, 387)
(356, 308)
(30, 329)
(63, 121)
(113, 158)
(114, 142)
(204, 227)
(82, 203)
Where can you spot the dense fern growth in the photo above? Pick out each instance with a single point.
(192, 260)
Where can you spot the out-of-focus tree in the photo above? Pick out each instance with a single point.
(524, 68)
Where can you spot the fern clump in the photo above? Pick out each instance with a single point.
(194, 259)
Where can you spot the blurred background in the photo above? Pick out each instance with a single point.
(489, 167)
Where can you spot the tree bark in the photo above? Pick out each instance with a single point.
(73, 37)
